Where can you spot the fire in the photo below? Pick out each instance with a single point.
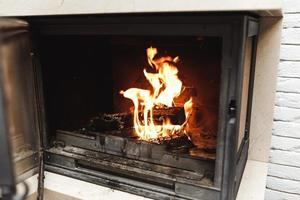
(166, 86)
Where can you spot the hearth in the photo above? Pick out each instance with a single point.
(156, 104)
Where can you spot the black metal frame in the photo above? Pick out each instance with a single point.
(233, 29)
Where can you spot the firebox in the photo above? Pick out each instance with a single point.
(157, 105)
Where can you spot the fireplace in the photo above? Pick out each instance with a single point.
(157, 105)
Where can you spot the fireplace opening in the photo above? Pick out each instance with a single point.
(83, 77)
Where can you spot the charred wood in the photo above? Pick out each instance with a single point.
(120, 121)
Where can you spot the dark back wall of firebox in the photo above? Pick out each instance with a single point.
(76, 78)
(82, 75)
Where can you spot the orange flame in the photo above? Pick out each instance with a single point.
(166, 86)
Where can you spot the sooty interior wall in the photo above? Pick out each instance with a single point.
(77, 79)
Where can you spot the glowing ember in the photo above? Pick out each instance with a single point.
(166, 86)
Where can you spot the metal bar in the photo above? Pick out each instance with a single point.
(136, 149)
(95, 169)
(120, 165)
(40, 125)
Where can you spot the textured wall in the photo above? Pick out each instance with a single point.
(283, 181)
(48, 7)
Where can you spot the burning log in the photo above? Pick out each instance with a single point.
(176, 115)
(179, 143)
(119, 121)
(108, 122)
